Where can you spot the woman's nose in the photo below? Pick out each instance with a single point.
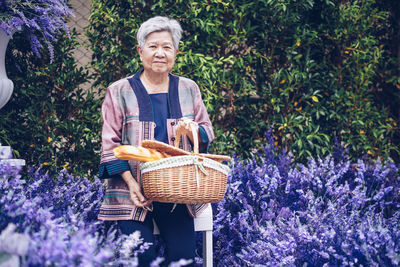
(160, 52)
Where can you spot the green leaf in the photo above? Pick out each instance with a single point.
(314, 98)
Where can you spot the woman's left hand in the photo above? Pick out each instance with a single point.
(186, 126)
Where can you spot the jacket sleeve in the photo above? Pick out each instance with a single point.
(111, 136)
(202, 118)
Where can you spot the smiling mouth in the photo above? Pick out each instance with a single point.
(159, 62)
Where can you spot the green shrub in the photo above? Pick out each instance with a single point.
(308, 69)
(50, 120)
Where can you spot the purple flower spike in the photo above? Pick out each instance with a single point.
(326, 213)
(58, 214)
(42, 21)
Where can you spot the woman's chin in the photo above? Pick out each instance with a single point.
(162, 70)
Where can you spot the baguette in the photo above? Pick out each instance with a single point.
(128, 152)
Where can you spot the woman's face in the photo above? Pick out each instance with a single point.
(158, 53)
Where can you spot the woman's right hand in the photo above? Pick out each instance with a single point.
(134, 190)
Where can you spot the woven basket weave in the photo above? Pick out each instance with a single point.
(188, 179)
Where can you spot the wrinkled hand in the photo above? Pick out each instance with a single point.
(136, 196)
(185, 127)
(134, 191)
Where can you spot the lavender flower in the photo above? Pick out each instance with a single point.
(131, 242)
(59, 214)
(42, 21)
(13, 243)
(328, 212)
(181, 262)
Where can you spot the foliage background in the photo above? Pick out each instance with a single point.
(317, 72)
(50, 120)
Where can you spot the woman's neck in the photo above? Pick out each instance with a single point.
(155, 83)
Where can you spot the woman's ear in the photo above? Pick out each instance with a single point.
(139, 51)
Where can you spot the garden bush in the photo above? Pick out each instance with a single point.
(329, 212)
(51, 120)
(59, 215)
(314, 71)
(57, 212)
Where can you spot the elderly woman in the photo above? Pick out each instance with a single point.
(151, 104)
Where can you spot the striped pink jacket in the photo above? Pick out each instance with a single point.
(127, 120)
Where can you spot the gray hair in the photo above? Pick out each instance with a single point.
(158, 24)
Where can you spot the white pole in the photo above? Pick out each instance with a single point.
(6, 85)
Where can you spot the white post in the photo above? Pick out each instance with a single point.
(207, 248)
(6, 89)
(6, 85)
(6, 157)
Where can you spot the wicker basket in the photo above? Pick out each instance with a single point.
(190, 179)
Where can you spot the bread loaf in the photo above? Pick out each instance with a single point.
(128, 152)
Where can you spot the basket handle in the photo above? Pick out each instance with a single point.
(194, 128)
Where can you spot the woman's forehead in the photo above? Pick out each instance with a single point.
(163, 36)
(158, 42)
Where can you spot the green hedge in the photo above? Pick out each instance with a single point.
(316, 72)
(50, 120)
